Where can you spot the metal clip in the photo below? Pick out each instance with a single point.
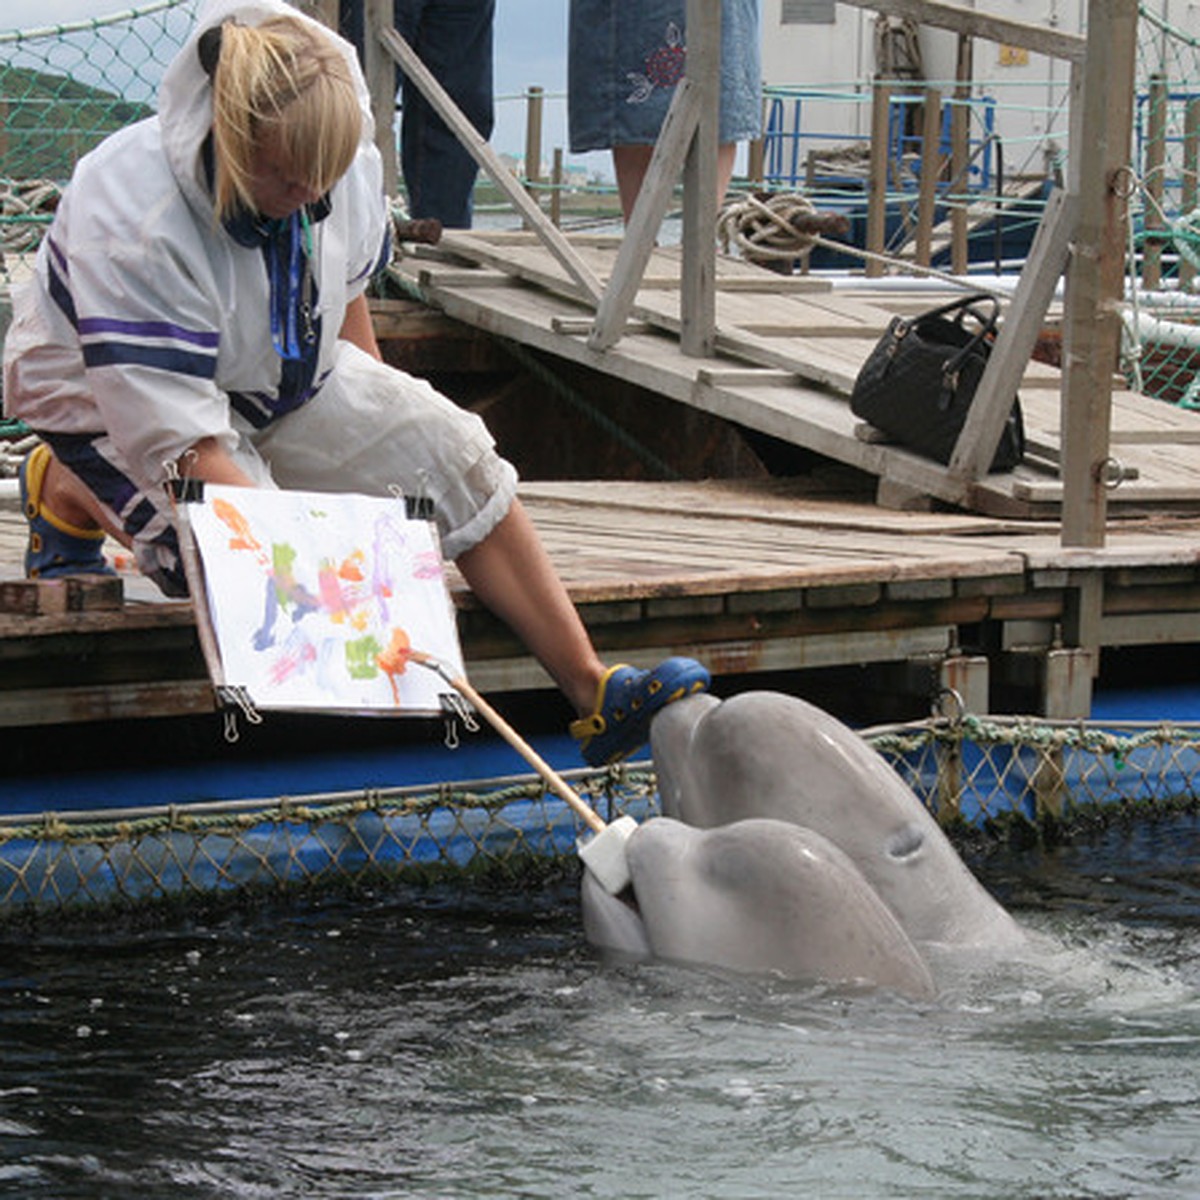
(235, 700)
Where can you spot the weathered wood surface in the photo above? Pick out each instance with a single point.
(789, 350)
(750, 577)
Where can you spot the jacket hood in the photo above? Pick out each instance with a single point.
(185, 97)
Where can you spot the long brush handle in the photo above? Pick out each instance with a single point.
(553, 779)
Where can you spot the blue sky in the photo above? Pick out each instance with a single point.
(531, 49)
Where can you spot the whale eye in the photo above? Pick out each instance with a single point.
(906, 842)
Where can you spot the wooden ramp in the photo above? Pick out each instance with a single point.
(788, 351)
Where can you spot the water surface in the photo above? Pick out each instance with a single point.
(469, 1044)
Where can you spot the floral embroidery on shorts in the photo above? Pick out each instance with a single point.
(664, 67)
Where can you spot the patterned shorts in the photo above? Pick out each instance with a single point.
(625, 59)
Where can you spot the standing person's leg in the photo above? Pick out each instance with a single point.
(453, 38)
(630, 164)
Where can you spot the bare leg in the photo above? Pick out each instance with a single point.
(631, 162)
(511, 573)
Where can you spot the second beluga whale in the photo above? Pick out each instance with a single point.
(788, 845)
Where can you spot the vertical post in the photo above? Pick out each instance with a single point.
(968, 676)
(533, 137)
(698, 300)
(556, 181)
(756, 163)
(380, 72)
(881, 99)
(1095, 276)
(1191, 192)
(960, 156)
(1156, 154)
(931, 173)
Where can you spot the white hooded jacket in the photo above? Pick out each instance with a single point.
(149, 320)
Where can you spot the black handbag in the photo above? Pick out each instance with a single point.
(919, 381)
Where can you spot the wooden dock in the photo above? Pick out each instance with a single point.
(753, 578)
(758, 576)
(789, 351)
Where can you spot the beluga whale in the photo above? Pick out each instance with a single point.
(788, 846)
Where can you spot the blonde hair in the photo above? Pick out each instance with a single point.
(285, 82)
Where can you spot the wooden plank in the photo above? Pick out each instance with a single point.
(536, 271)
(739, 377)
(877, 178)
(984, 426)
(932, 164)
(750, 385)
(582, 326)
(1092, 332)
(670, 150)
(970, 22)
(112, 701)
(697, 338)
(472, 277)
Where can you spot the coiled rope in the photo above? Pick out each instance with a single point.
(778, 227)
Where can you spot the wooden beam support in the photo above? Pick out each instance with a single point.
(698, 303)
(1155, 164)
(976, 446)
(960, 155)
(877, 181)
(961, 19)
(380, 74)
(1190, 190)
(666, 162)
(1095, 278)
(932, 163)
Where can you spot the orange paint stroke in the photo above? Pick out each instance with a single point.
(394, 660)
(243, 537)
(351, 568)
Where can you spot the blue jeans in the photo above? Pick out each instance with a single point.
(453, 38)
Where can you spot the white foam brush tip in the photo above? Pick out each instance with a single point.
(604, 854)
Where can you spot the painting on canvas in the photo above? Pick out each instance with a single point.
(316, 600)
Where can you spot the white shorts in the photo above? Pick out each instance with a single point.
(376, 430)
(371, 429)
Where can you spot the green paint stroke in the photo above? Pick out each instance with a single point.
(361, 655)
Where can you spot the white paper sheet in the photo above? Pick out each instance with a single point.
(314, 597)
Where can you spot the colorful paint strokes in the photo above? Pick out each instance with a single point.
(318, 601)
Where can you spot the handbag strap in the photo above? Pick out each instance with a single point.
(961, 306)
(987, 326)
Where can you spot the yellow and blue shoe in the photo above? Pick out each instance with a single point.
(56, 547)
(626, 703)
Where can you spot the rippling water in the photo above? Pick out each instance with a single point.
(457, 1045)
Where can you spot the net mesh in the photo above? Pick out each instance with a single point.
(511, 827)
(63, 89)
(981, 777)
